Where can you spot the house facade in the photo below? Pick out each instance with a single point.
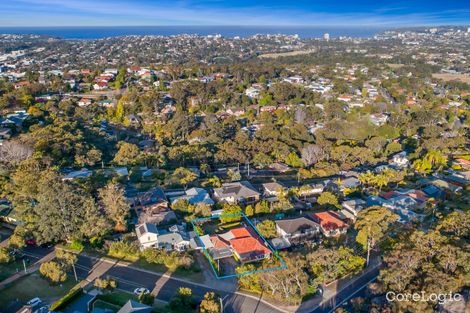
(173, 239)
(298, 230)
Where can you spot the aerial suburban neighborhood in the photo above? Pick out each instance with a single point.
(213, 173)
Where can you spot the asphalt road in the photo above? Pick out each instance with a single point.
(129, 279)
(351, 291)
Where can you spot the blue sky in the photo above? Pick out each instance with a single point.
(233, 12)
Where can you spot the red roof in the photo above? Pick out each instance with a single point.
(329, 220)
(240, 232)
(419, 195)
(24, 83)
(248, 245)
(463, 161)
(218, 242)
(389, 195)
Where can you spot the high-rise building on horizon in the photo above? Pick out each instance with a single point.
(326, 36)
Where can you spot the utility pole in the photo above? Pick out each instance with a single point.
(74, 271)
(368, 246)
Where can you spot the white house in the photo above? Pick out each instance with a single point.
(147, 235)
(173, 239)
(400, 159)
(83, 102)
(252, 92)
(353, 207)
(294, 80)
(378, 119)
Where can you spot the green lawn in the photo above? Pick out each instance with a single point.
(6, 270)
(117, 297)
(32, 286)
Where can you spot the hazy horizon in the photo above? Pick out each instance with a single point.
(57, 13)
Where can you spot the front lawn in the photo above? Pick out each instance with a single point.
(8, 269)
(32, 286)
(117, 297)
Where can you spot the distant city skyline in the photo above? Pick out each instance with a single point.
(242, 12)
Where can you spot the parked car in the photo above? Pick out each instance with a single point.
(43, 309)
(34, 302)
(139, 291)
(30, 242)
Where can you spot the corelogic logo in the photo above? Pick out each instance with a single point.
(422, 296)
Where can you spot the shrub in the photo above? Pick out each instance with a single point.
(53, 271)
(327, 198)
(152, 255)
(231, 213)
(183, 301)
(75, 245)
(103, 283)
(146, 298)
(124, 250)
(66, 258)
(5, 256)
(267, 229)
(210, 303)
(16, 241)
(69, 297)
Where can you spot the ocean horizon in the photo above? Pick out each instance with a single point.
(97, 32)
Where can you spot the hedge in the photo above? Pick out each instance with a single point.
(71, 295)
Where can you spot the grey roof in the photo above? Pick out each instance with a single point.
(152, 196)
(133, 306)
(242, 189)
(146, 228)
(355, 203)
(172, 238)
(274, 186)
(195, 196)
(292, 225)
(350, 182)
(220, 253)
(83, 173)
(280, 243)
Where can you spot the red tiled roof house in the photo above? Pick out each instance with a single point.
(245, 247)
(330, 223)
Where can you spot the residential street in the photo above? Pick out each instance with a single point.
(131, 278)
(164, 286)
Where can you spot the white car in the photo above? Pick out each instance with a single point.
(34, 302)
(142, 290)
